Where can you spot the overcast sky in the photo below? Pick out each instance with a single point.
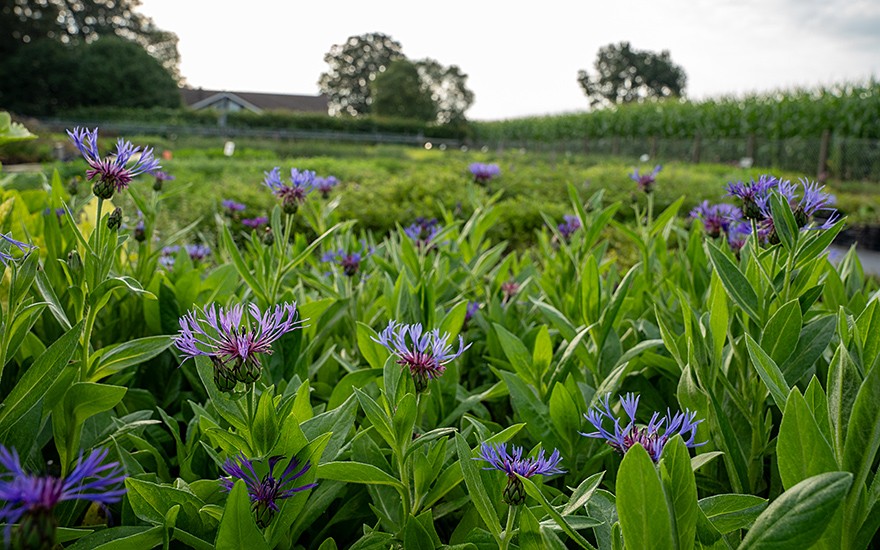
(524, 61)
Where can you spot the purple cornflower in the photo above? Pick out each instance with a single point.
(569, 226)
(140, 230)
(161, 178)
(646, 181)
(4, 255)
(255, 223)
(805, 199)
(752, 193)
(234, 344)
(425, 353)
(737, 234)
(112, 172)
(29, 499)
(198, 252)
(325, 185)
(509, 289)
(716, 218)
(232, 207)
(293, 195)
(266, 491)
(423, 231)
(484, 172)
(470, 312)
(513, 464)
(349, 262)
(652, 437)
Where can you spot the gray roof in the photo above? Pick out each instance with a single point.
(254, 101)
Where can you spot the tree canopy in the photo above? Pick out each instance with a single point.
(625, 75)
(353, 67)
(25, 22)
(356, 65)
(399, 92)
(48, 77)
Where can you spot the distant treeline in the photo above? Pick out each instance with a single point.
(846, 110)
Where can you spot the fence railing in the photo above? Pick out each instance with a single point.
(826, 157)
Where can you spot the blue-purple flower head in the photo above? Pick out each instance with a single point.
(7, 243)
(646, 181)
(198, 252)
(716, 218)
(325, 185)
(652, 437)
(425, 352)
(350, 262)
(469, 313)
(115, 172)
(292, 194)
(752, 193)
(484, 172)
(513, 464)
(233, 341)
(232, 207)
(161, 178)
(807, 202)
(255, 223)
(265, 491)
(28, 499)
(423, 231)
(737, 235)
(569, 226)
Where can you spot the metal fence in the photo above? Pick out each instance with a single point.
(830, 156)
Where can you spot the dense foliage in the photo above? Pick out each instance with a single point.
(430, 387)
(847, 110)
(27, 22)
(48, 77)
(625, 75)
(354, 67)
(398, 93)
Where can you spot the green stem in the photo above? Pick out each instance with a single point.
(99, 250)
(89, 315)
(507, 535)
(280, 258)
(405, 493)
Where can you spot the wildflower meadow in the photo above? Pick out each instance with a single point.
(293, 380)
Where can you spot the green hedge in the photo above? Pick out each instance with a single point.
(274, 120)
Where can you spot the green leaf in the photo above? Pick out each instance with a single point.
(240, 265)
(38, 379)
(529, 536)
(475, 487)
(151, 502)
(736, 284)
(415, 536)
(122, 538)
(378, 417)
(533, 491)
(863, 430)
(784, 222)
(802, 450)
(517, 353)
(843, 386)
(680, 487)
(81, 401)
(582, 494)
(265, 430)
(374, 352)
(813, 340)
(113, 359)
(237, 526)
(800, 515)
(730, 512)
(357, 472)
(769, 372)
(782, 332)
(641, 503)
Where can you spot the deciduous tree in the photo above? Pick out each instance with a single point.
(625, 75)
(353, 66)
(448, 88)
(399, 92)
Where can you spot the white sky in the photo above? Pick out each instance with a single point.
(524, 61)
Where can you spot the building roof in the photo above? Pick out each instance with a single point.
(198, 98)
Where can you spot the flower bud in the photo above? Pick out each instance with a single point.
(514, 494)
(103, 189)
(268, 237)
(140, 232)
(114, 220)
(35, 531)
